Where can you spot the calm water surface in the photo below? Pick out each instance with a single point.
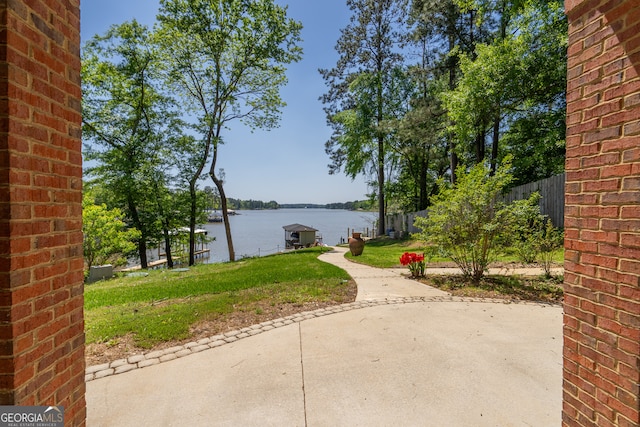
(259, 233)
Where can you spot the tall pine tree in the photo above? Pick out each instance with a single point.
(370, 54)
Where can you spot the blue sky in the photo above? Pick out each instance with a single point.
(287, 164)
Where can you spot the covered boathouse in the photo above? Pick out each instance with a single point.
(299, 236)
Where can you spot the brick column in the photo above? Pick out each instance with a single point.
(41, 278)
(602, 215)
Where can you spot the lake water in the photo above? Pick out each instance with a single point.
(259, 233)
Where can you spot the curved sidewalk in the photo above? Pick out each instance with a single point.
(379, 283)
(408, 355)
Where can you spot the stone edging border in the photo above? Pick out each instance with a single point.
(156, 357)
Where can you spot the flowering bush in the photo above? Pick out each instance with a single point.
(415, 262)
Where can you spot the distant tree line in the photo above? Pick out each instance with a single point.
(366, 205)
(357, 205)
(252, 204)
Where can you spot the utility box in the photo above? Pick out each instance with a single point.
(100, 272)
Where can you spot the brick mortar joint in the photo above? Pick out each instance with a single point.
(140, 361)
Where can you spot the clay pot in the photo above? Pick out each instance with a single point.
(356, 244)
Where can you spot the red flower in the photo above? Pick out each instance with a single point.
(415, 262)
(411, 257)
(405, 259)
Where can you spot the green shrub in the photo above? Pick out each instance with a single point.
(525, 225)
(533, 237)
(106, 237)
(464, 220)
(549, 240)
(469, 222)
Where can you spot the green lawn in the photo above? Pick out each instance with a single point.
(385, 253)
(163, 305)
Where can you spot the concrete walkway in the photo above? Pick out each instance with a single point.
(403, 354)
(379, 283)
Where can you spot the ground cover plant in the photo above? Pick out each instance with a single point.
(514, 288)
(132, 314)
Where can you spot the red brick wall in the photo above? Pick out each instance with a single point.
(41, 279)
(602, 215)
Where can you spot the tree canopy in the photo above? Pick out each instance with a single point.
(481, 80)
(226, 61)
(129, 126)
(106, 237)
(363, 92)
(156, 104)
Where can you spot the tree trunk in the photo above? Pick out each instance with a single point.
(192, 222)
(165, 227)
(423, 200)
(494, 144)
(381, 203)
(167, 237)
(480, 145)
(142, 242)
(378, 11)
(167, 247)
(452, 85)
(225, 216)
(142, 252)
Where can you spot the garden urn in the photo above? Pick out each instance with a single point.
(356, 244)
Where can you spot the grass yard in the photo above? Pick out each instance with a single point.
(385, 253)
(171, 305)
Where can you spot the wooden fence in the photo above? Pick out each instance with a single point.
(551, 204)
(552, 196)
(398, 225)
